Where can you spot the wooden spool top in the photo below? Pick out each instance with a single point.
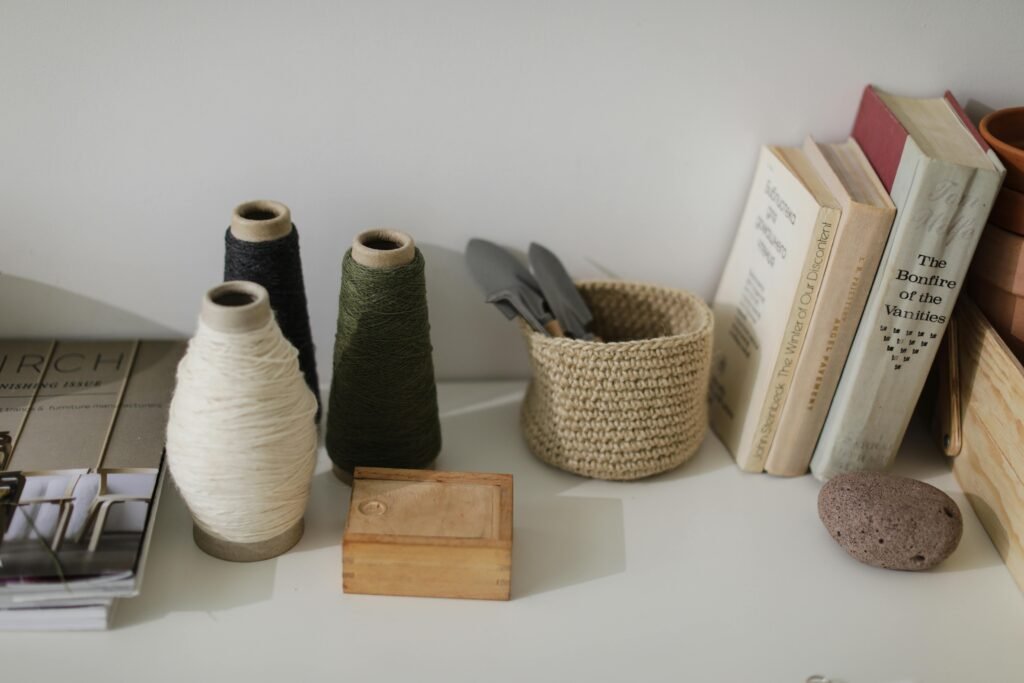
(383, 248)
(261, 220)
(236, 307)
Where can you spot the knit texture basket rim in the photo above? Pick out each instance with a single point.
(622, 410)
(706, 318)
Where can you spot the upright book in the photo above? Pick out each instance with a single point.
(81, 460)
(860, 238)
(765, 300)
(943, 180)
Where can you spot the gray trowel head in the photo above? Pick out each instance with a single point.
(560, 292)
(507, 283)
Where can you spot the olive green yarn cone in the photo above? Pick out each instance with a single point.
(382, 410)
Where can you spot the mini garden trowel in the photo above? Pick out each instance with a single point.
(561, 294)
(509, 285)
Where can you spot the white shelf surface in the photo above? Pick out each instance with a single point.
(701, 574)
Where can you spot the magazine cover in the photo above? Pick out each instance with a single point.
(81, 452)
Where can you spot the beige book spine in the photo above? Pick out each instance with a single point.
(800, 316)
(942, 210)
(856, 251)
(755, 295)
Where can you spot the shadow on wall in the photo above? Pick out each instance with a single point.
(471, 339)
(976, 110)
(33, 309)
(561, 538)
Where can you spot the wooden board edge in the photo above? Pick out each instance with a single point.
(506, 514)
(486, 572)
(973, 312)
(981, 346)
(503, 596)
(985, 470)
(436, 541)
(395, 474)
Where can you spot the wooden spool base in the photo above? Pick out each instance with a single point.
(247, 552)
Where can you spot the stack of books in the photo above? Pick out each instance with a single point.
(836, 294)
(81, 463)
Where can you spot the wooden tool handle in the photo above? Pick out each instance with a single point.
(554, 328)
(948, 413)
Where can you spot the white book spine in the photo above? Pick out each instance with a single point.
(801, 317)
(941, 210)
(754, 299)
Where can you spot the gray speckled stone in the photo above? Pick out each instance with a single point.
(889, 521)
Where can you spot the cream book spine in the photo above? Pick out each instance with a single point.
(804, 304)
(755, 296)
(858, 245)
(941, 210)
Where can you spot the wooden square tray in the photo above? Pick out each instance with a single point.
(430, 534)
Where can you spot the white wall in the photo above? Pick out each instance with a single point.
(620, 134)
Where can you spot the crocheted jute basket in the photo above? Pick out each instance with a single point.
(633, 405)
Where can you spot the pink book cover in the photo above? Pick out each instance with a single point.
(971, 128)
(882, 137)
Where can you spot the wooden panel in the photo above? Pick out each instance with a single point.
(426, 533)
(990, 462)
(426, 508)
(427, 571)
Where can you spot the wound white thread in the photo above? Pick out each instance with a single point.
(241, 436)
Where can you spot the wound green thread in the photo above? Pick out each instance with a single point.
(382, 410)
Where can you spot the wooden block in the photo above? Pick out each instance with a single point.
(990, 463)
(429, 534)
(1003, 310)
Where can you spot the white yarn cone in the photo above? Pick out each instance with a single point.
(241, 437)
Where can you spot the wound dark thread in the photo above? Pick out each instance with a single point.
(277, 266)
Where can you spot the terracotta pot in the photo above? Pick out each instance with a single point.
(1008, 211)
(1004, 310)
(1004, 130)
(999, 260)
